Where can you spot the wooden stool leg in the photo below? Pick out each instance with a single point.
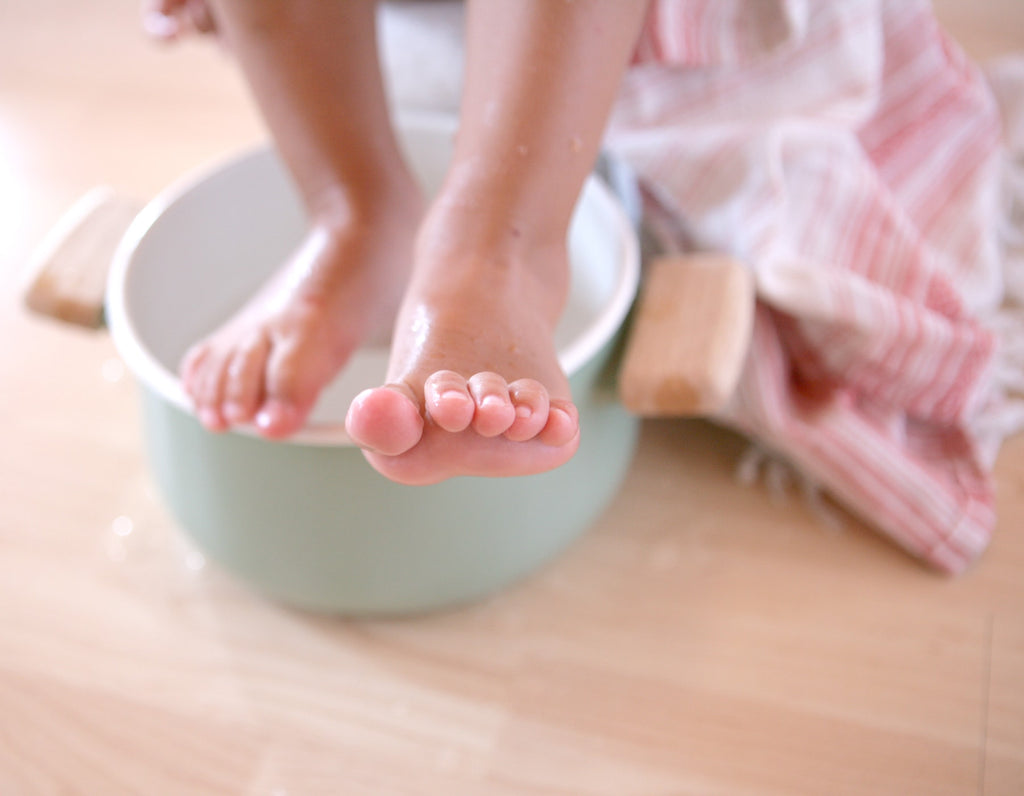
(68, 275)
(690, 334)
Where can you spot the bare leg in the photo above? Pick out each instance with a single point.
(474, 385)
(312, 65)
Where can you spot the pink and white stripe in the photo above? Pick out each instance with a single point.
(848, 152)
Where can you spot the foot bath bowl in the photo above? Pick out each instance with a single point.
(307, 521)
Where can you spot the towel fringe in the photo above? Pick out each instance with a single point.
(759, 463)
(1003, 414)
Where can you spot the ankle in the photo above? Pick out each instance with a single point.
(454, 258)
(340, 205)
(489, 211)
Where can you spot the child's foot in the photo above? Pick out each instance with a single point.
(269, 362)
(474, 385)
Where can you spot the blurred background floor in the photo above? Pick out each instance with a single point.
(705, 637)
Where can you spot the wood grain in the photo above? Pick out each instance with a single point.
(704, 638)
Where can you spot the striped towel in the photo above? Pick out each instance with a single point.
(854, 158)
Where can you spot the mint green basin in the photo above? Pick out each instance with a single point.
(307, 521)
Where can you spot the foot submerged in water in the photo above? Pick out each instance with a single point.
(268, 363)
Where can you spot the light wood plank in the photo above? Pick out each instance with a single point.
(1004, 730)
(704, 638)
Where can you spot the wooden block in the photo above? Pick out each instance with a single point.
(690, 334)
(68, 275)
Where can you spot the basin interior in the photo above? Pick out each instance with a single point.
(205, 245)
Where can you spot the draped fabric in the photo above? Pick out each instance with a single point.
(851, 155)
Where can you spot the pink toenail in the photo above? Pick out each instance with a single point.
(562, 412)
(209, 418)
(492, 400)
(523, 411)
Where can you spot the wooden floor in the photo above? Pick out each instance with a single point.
(705, 638)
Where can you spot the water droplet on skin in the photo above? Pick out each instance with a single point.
(112, 370)
(122, 526)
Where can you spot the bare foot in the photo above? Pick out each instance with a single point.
(269, 362)
(474, 385)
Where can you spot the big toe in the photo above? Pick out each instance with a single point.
(277, 418)
(385, 420)
(294, 377)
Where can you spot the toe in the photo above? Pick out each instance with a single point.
(243, 388)
(447, 401)
(277, 419)
(563, 424)
(289, 392)
(385, 420)
(494, 410)
(209, 390)
(191, 366)
(530, 399)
